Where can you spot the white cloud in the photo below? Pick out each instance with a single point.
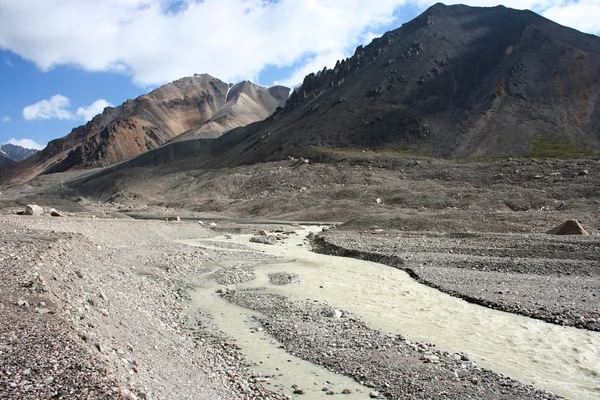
(6, 119)
(27, 143)
(584, 15)
(59, 107)
(89, 112)
(230, 39)
(56, 107)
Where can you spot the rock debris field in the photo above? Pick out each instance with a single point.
(91, 308)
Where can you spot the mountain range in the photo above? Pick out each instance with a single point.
(17, 153)
(193, 107)
(456, 82)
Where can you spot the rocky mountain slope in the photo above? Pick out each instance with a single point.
(199, 106)
(5, 159)
(456, 81)
(17, 153)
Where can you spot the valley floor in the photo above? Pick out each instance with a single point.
(106, 301)
(102, 308)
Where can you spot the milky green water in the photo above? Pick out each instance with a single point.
(563, 360)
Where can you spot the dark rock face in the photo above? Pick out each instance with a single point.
(17, 153)
(455, 82)
(5, 159)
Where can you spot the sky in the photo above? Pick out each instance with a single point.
(63, 61)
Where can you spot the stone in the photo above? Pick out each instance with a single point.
(262, 232)
(570, 227)
(79, 273)
(334, 314)
(55, 213)
(378, 200)
(213, 224)
(346, 391)
(264, 239)
(33, 209)
(374, 394)
(298, 391)
(23, 303)
(200, 222)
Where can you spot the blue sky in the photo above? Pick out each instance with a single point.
(62, 62)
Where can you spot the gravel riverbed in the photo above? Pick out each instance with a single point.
(95, 308)
(552, 278)
(92, 308)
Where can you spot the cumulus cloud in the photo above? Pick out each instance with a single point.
(231, 39)
(59, 107)
(89, 112)
(157, 41)
(27, 143)
(6, 119)
(56, 107)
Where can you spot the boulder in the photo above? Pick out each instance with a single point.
(570, 227)
(33, 209)
(264, 239)
(55, 213)
(334, 314)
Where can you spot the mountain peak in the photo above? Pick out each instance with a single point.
(16, 152)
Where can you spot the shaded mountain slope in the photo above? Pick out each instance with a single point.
(201, 104)
(5, 159)
(17, 153)
(456, 81)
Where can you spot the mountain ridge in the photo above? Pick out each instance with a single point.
(147, 122)
(16, 152)
(456, 81)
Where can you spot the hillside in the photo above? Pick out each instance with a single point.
(5, 159)
(456, 81)
(200, 106)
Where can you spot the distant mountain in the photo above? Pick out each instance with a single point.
(457, 81)
(17, 153)
(5, 159)
(199, 106)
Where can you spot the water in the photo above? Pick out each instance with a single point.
(563, 360)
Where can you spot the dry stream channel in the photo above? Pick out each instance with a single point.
(563, 360)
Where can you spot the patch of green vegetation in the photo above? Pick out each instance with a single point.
(546, 146)
(406, 152)
(323, 149)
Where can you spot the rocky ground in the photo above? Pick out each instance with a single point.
(90, 301)
(392, 366)
(89, 305)
(549, 277)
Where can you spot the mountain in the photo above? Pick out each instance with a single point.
(198, 106)
(17, 153)
(457, 81)
(5, 159)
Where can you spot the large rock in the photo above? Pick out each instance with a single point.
(33, 209)
(55, 213)
(570, 227)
